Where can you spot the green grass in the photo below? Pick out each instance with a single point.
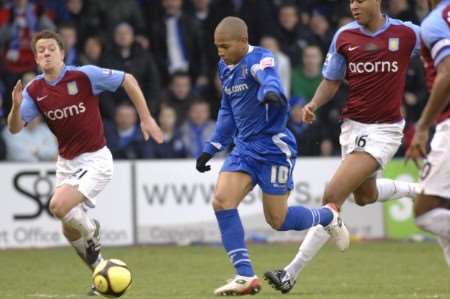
(379, 270)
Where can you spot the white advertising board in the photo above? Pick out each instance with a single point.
(174, 203)
(25, 220)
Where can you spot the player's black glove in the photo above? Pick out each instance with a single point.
(274, 98)
(201, 162)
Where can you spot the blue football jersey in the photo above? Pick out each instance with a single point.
(242, 116)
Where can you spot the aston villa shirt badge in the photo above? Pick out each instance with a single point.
(394, 44)
(72, 88)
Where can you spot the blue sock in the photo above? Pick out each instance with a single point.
(233, 240)
(300, 218)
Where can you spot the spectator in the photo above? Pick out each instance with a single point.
(401, 9)
(172, 146)
(293, 36)
(202, 13)
(83, 14)
(21, 21)
(306, 78)
(282, 62)
(323, 35)
(198, 128)
(92, 50)
(179, 95)
(416, 93)
(307, 136)
(69, 35)
(421, 10)
(255, 13)
(34, 143)
(327, 148)
(127, 55)
(124, 137)
(113, 13)
(177, 43)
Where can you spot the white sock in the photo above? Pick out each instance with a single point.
(390, 189)
(445, 244)
(436, 221)
(315, 239)
(78, 219)
(79, 245)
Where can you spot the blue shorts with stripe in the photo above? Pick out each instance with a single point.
(269, 162)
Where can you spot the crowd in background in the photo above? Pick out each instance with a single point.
(168, 46)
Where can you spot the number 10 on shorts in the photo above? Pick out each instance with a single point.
(279, 174)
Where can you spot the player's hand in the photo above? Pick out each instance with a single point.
(150, 128)
(418, 147)
(17, 94)
(274, 98)
(309, 113)
(201, 162)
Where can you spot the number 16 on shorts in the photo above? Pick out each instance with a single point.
(361, 140)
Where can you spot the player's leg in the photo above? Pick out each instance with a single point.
(230, 190)
(78, 182)
(382, 190)
(351, 173)
(433, 215)
(275, 179)
(66, 206)
(432, 205)
(283, 218)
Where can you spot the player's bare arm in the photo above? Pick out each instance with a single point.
(437, 102)
(324, 93)
(15, 122)
(149, 126)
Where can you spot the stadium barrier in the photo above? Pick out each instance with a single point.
(160, 202)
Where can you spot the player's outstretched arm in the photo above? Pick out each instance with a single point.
(436, 103)
(222, 136)
(15, 122)
(149, 126)
(324, 93)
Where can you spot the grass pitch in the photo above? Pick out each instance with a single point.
(380, 270)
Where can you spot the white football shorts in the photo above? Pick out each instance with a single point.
(435, 174)
(90, 172)
(381, 141)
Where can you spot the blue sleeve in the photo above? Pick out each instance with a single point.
(28, 109)
(103, 79)
(224, 131)
(265, 73)
(436, 36)
(335, 63)
(416, 29)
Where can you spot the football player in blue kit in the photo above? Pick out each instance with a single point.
(253, 115)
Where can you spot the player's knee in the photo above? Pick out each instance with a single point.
(275, 221)
(364, 199)
(221, 203)
(57, 208)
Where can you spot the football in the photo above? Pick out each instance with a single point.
(111, 278)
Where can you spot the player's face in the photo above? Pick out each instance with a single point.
(364, 10)
(230, 49)
(48, 54)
